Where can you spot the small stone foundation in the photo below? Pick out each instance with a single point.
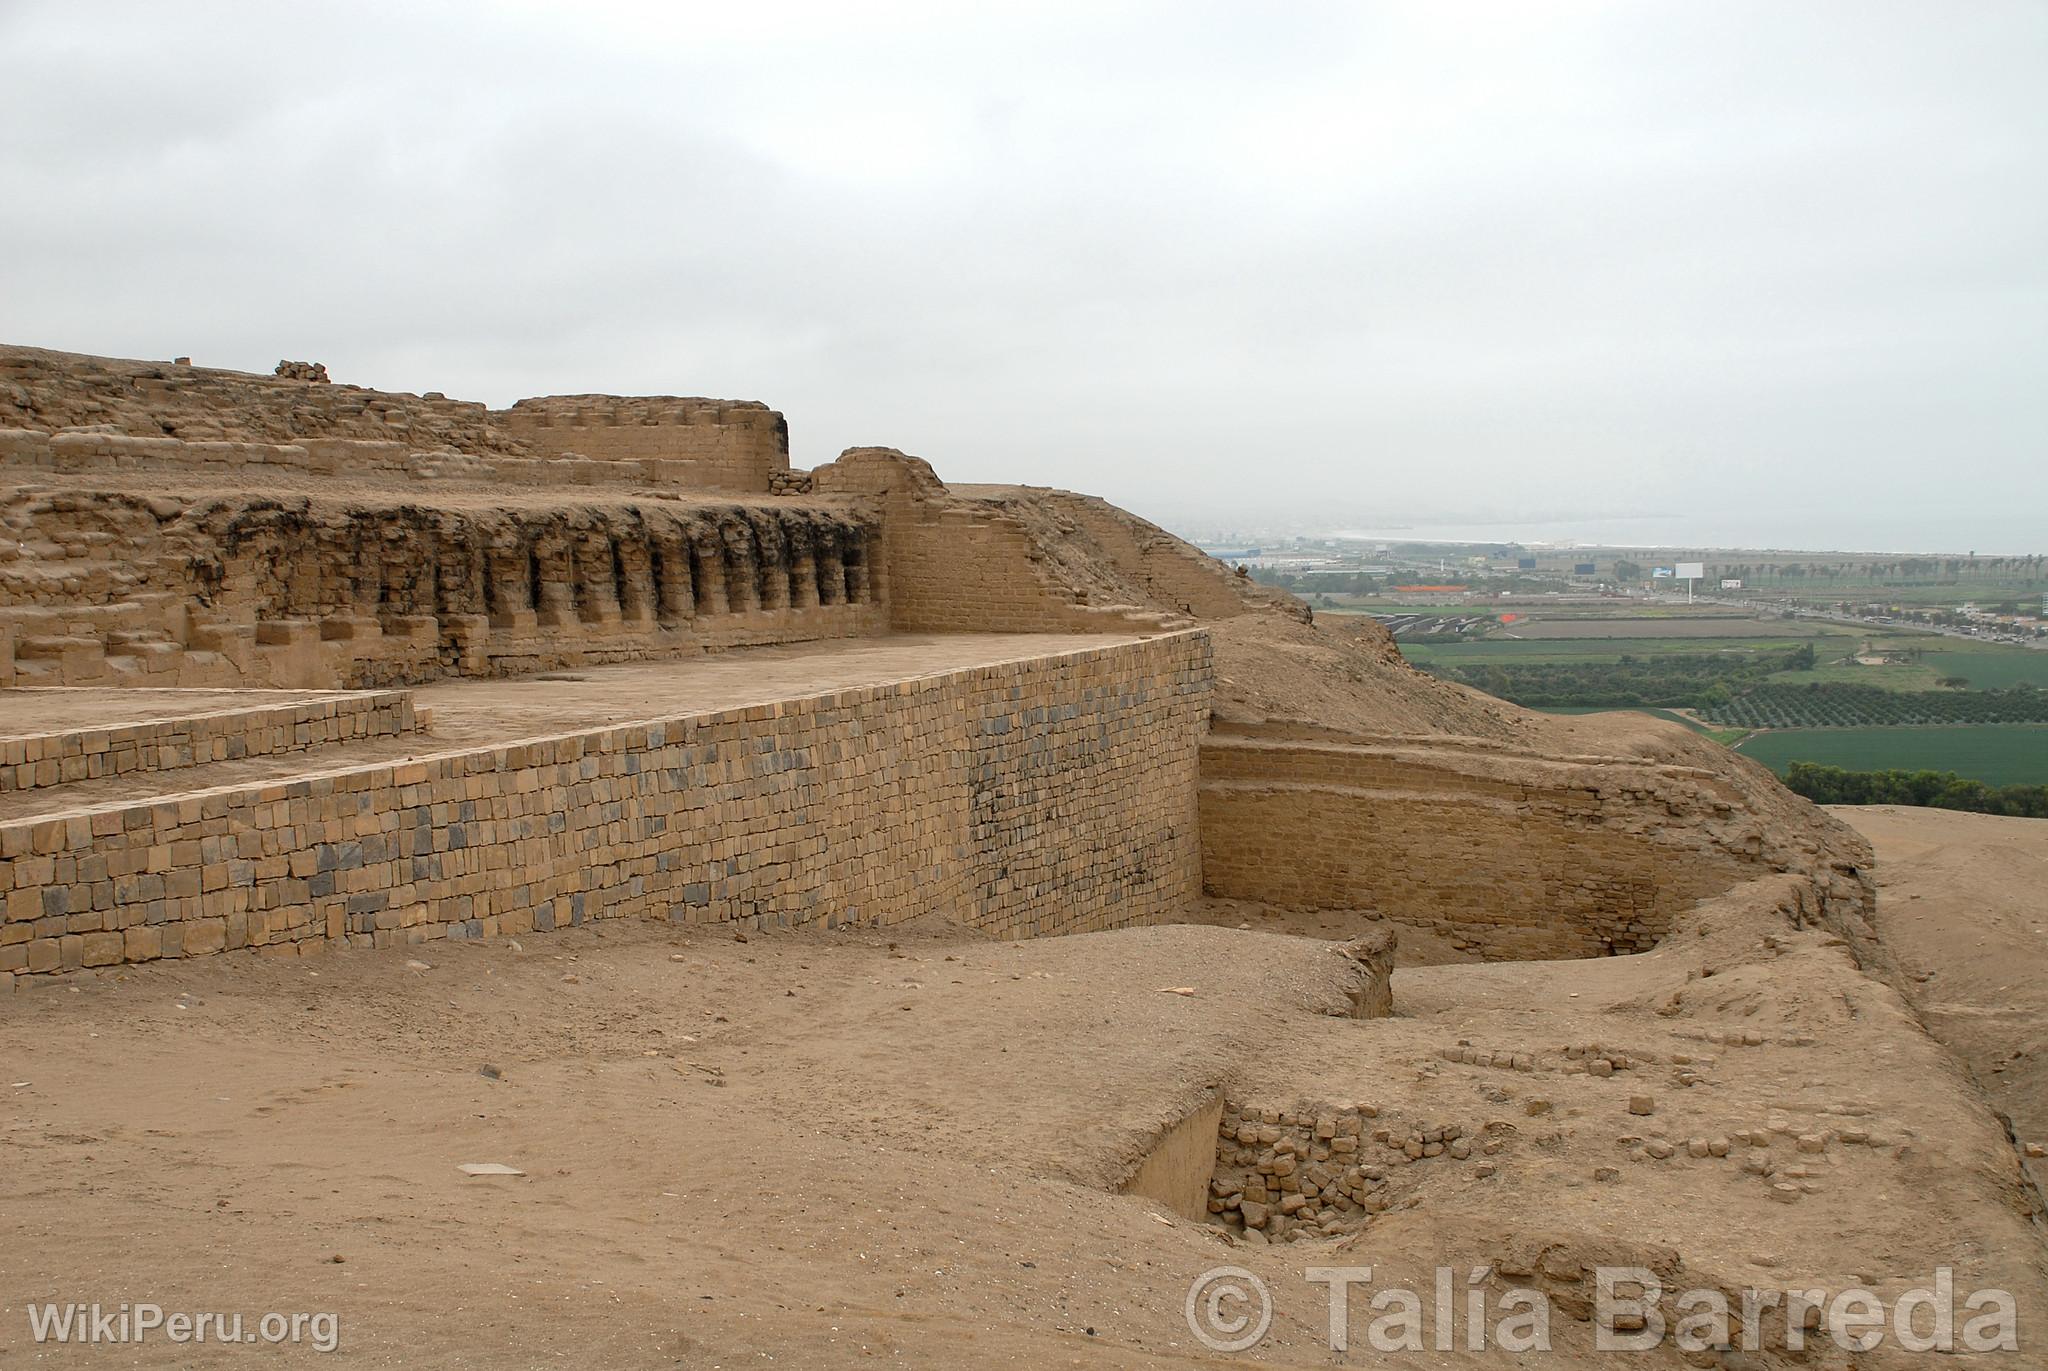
(1323, 1172)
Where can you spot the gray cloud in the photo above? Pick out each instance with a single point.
(1738, 273)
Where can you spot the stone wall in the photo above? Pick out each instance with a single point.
(1508, 856)
(33, 761)
(732, 445)
(1051, 795)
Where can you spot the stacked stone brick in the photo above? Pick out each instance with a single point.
(1050, 795)
(36, 760)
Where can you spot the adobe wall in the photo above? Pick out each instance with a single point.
(94, 452)
(728, 445)
(46, 390)
(105, 587)
(304, 421)
(32, 761)
(1050, 795)
(1511, 857)
(958, 565)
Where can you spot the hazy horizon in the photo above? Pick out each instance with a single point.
(1731, 275)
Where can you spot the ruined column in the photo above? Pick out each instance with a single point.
(668, 551)
(861, 577)
(830, 570)
(707, 572)
(458, 571)
(632, 557)
(508, 584)
(772, 569)
(800, 535)
(554, 581)
(742, 565)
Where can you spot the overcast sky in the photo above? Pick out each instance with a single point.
(1770, 273)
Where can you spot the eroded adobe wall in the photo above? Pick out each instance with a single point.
(1050, 795)
(704, 444)
(108, 588)
(202, 418)
(1511, 856)
(962, 565)
(51, 391)
(28, 454)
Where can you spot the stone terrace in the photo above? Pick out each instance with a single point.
(1021, 783)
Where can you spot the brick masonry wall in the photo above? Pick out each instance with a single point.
(704, 444)
(32, 761)
(1544, 863)
(1050, 795)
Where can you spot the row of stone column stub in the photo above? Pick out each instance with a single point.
(638, 560)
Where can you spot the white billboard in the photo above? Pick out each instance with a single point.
(1691, 571)
(1731, 583)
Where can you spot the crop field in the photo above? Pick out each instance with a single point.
(1921, 661)
(1996, 754)
(1919, 675)
(1992, 667)
(1773, 705)
(1703, 626)
(1488, 651)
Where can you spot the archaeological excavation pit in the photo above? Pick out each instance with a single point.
(1308, 1172)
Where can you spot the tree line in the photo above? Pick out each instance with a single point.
(1695, 680)
(1832, 785)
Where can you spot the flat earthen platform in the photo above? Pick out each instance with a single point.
(38, 710)
(484, 712)
(473, 713)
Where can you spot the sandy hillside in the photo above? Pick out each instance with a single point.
(1963, 904)
(825, 1149)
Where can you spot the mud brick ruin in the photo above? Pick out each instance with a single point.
(291, 663)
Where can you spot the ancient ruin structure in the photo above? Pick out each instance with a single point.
(258, 634)
(516, 731)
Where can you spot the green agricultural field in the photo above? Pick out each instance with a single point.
(1996, 754)
(1891, 676)
(1994, 666)
(1551, 650)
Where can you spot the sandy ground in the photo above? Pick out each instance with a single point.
(904, 1148)
(1963, 905)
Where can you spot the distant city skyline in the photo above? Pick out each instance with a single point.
(1619, 534)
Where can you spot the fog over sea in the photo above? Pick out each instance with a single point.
(2011, 530)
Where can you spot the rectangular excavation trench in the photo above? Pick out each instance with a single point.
(1315, 1171)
